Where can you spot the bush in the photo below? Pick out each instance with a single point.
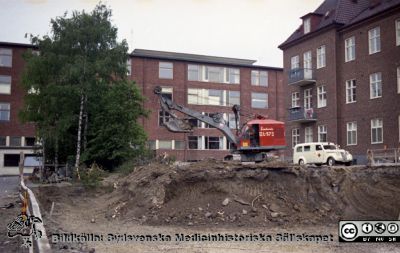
(91, 177)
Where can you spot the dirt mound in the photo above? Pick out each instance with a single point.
(233, 194)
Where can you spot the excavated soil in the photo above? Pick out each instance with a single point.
(231, 194)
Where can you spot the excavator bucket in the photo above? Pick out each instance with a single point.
(178, 125)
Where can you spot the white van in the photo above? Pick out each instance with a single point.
(320, 153)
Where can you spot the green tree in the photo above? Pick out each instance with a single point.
(78, 93)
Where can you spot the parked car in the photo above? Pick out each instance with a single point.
(320, 153)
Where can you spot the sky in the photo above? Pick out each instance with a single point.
(246, 29)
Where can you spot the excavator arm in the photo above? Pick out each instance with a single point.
(178, 125)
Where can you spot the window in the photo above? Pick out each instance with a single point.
(193, 73)
(163, 117)
(215, 74)
(180, 145)
(374, 38)
(259, 100)
(321, 57)
(215, 97)
(352, 133)
(299, 149)
(233, 76)
(213, 142)
(307, 148)
(295, 136)
(351, 91)
(29, 141)
(307, 25)
(129, 67)
(4, 112)
(11, 160)
(295, 62)
(194, 96)
(307, 60)
(167, 92)
(295, 99)
(376, 131)
(164, 144)
(5, 84)
(194, 142)
(321, 96)
(398, 32)
(308, 134)
(231, 121)
(350, 49)
(307, 98)
(165, 70)
(322, 134)
(233, 98)
(3, 141)
(5, 57)
(151, 145)
(259, 78)
(15, 141)
(398, 80)
(375, 81)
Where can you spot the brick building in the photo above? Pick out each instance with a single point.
(342, 76)
(206, 84)
(14, 136)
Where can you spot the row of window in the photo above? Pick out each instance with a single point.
(375, 81)
(351, 130)
(214, 74)
(229, 118)
(374, 46)
(193, 142)
(16, 141)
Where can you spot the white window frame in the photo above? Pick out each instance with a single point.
(322, 130)
(295, 62)
(321, 57)
(5, 86)
(129, 67)
(295, 136)
(308, 98)
(376, 124)
(194, 69)
(307, 60)
(322, 99)
(374, 40)
(232, 75)
(350, 49)
(165, 66)
(257, 76)
(229, 98)
(351, 91)
(295, 99)
(307, 25)
(351, 131)
(308, 134)
(375, 84)
(397, 25)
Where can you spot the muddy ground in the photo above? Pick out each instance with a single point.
(214, 197)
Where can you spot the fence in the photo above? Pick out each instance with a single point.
(40, 245)
(389, 156)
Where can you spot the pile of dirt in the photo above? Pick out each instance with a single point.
(226, 193)
(210, 193)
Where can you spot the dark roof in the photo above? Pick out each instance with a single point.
(342, 13)
(13, 44)
(196, 58)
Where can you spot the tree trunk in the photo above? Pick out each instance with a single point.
(56, 156)
(85, 127)
(78, 144)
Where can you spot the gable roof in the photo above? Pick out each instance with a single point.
(342, 13)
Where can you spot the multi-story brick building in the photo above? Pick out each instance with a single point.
(206, 84)
(342, 76)
(14, 136)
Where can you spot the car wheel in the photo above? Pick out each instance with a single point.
(301, 162)
(330, 161)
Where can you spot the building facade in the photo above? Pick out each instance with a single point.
(15, 137)
(206, 84)
(342, 76)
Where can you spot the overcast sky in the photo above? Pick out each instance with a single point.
(248, 29)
